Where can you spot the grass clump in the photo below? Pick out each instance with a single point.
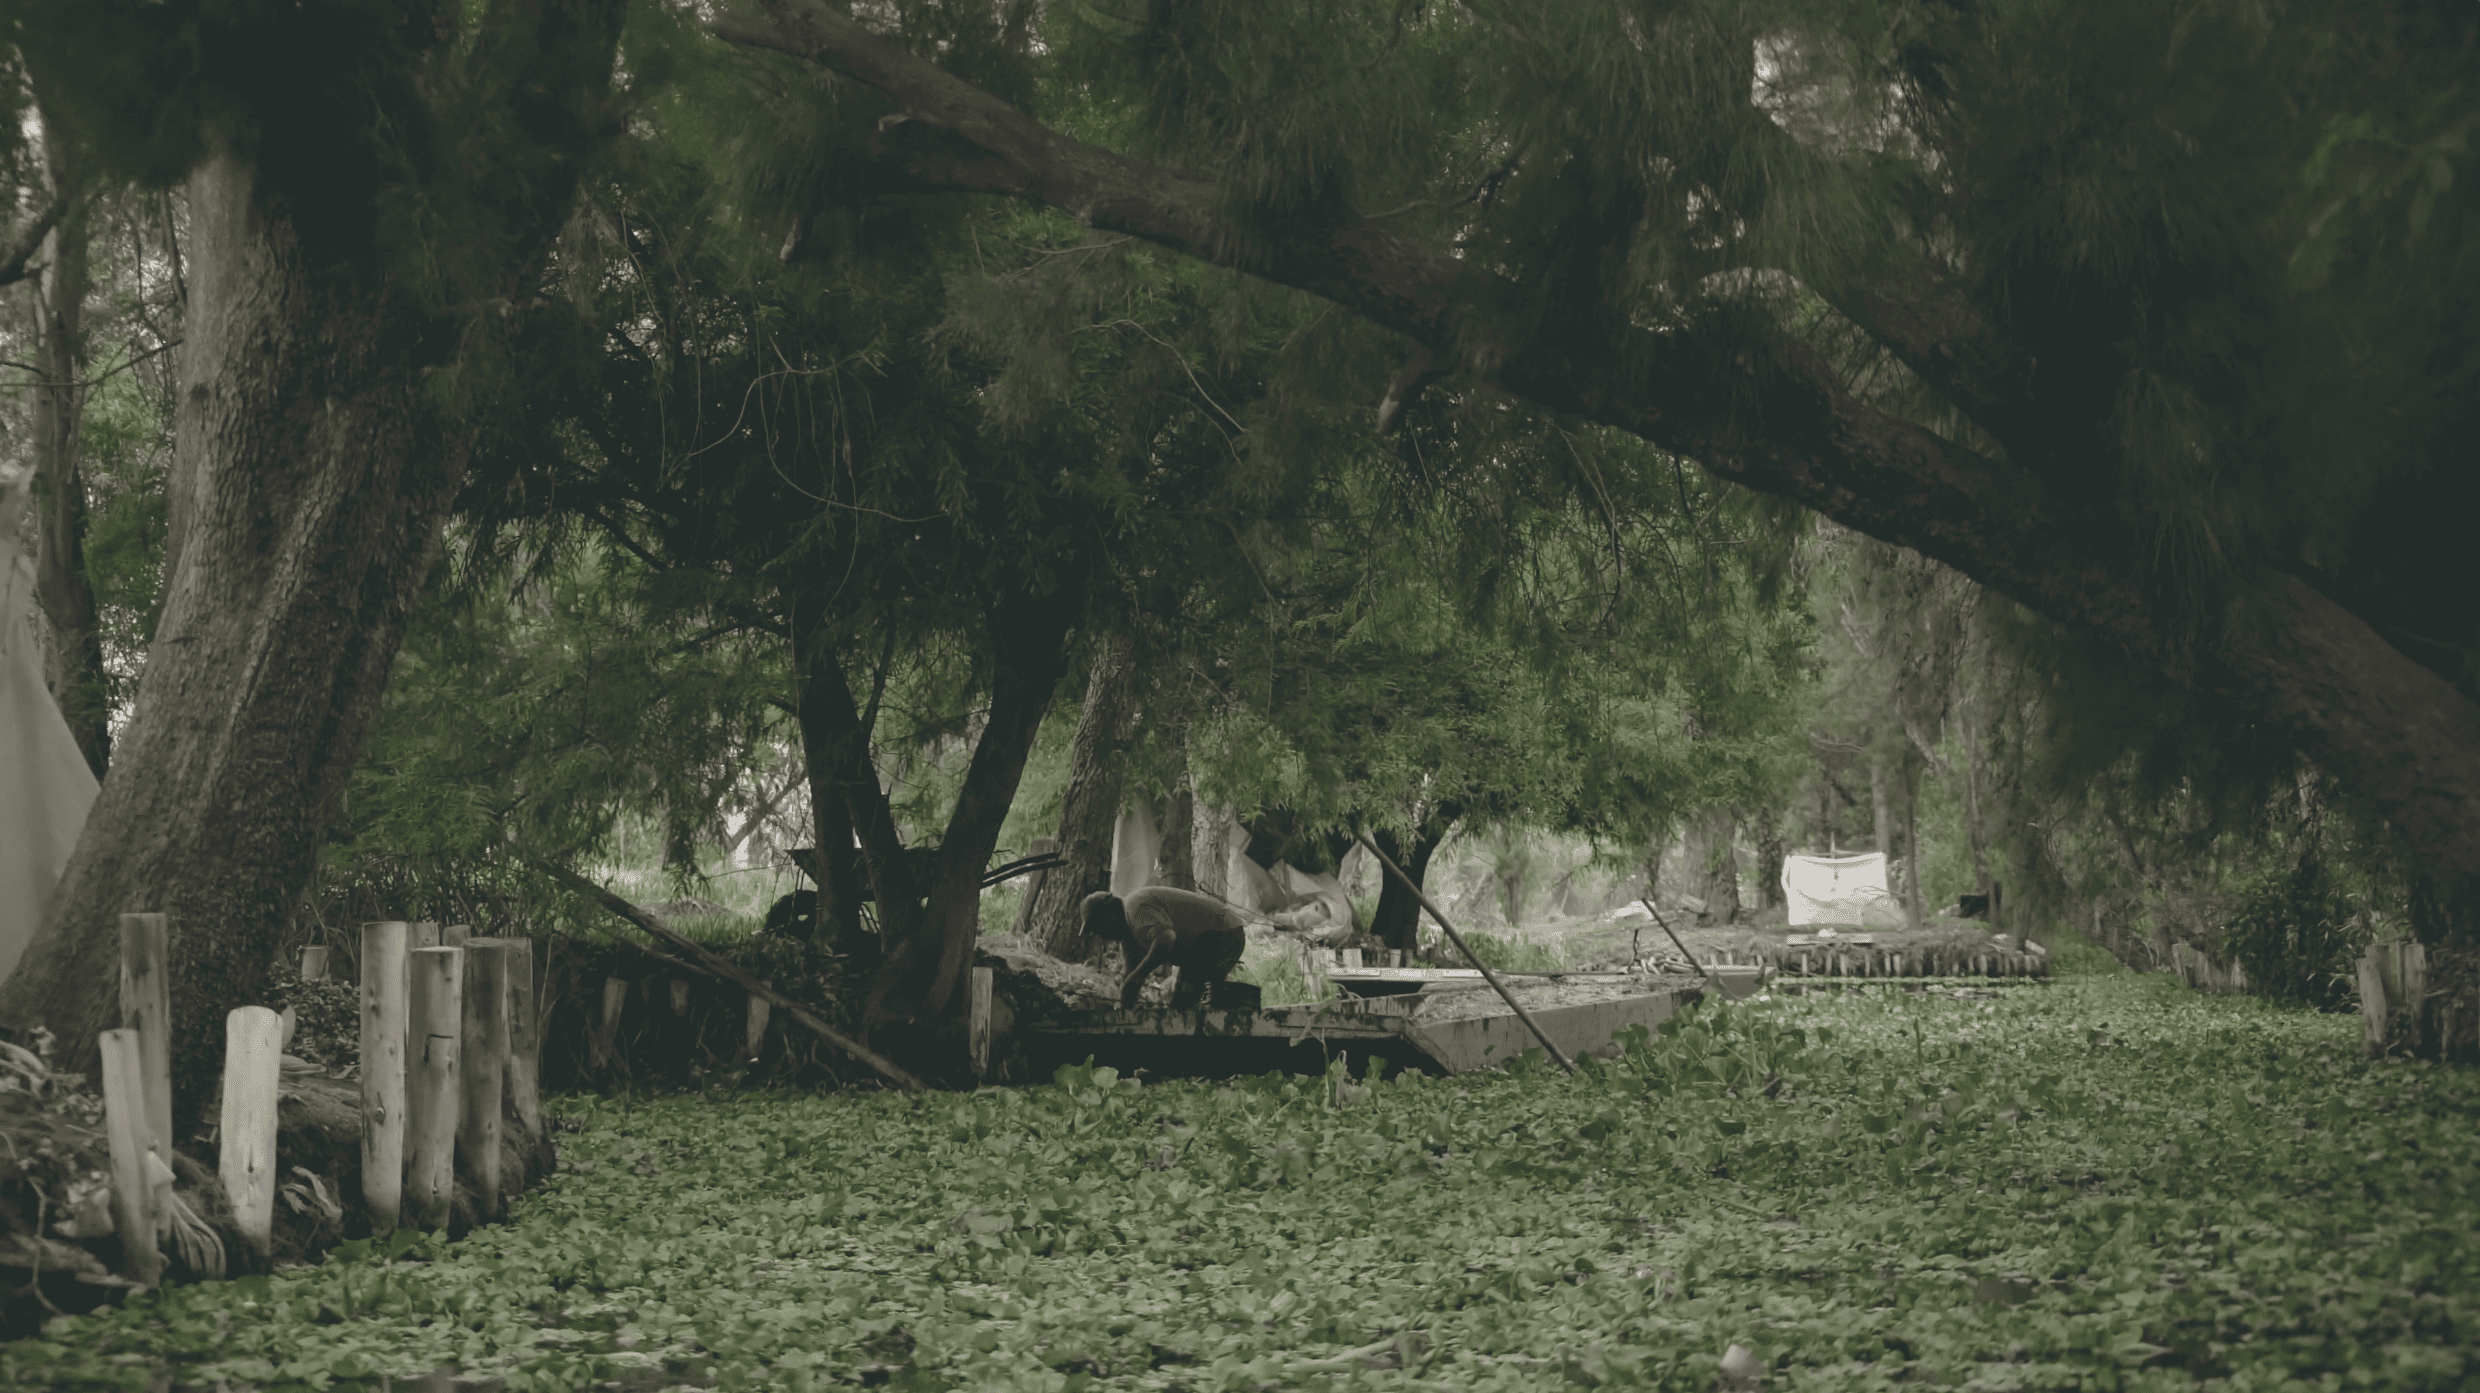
(2107, 1183)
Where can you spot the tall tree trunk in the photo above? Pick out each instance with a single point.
(73, 650)
(835, 739)
(1768, 828)
(1913, 909)
(680, 838)
(1096, 762)
(315, 480)
(1175, 863)
(1713, 863)
(834, 749)
(1397, 921)
(1975, 781)
(313, 469)
(1883, 811)
(1215, 828)
(925, 965)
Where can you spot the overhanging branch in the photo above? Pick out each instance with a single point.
(1767, 414)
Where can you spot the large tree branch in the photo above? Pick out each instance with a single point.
(15, 255)
(1773, 419)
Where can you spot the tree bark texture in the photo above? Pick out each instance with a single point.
(1778, 418)
(317, 480)
(1881, 807)
(1397, 920)
(312, 474)
(1767, 826)
(1175, 861)
(835, 739)
(73, 648)
(1975, 782)
(837, 863)
(1911, 889)
(1712, 867)
(1097, 760)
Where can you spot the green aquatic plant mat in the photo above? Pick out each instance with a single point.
(2109, 1184)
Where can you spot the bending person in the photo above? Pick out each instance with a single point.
(1162, 927)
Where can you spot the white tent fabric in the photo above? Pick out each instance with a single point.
(1847, 891)
(45, 786)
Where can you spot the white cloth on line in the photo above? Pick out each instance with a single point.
(1840, 890)
(48, 787)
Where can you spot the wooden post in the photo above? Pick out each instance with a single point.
(435, 990)
(314, 963)
(520, 1083)
(134, 1215)
(146, 1008)
(978, 1021)
(753, 1035)
(680, 996)
(455, 935)
(383, 1072)
(482, 1069)
(2372, 1003)
(615, 995)
(247, 1131)
(524, 1034)
(421, 934)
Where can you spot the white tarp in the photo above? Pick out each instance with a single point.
(45, 786)
(1842, 890)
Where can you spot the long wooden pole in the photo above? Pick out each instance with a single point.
(723, 968)
(1505, 993)
(1674, 938)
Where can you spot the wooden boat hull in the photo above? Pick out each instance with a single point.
(1209, 1043)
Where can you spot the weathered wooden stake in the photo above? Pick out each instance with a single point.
(482, 1069)
(455, 935)
(383, 1072)
(421, 934)
(524, 1034)
(314, 963)
(753, 1033)
(247, 1129)
(134, 1215)
(2372, 1003)
(435, 990)
(606, 1031)
(146, 1007)
(978, 1015)
(680, 996)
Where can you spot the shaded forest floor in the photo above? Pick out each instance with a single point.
(2103, 1183)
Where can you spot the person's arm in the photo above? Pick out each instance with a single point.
(1157, 951)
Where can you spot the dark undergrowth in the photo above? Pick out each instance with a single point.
(2106, 1183)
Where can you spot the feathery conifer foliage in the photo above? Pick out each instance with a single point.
(2153, 320)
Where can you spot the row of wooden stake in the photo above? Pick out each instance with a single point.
(459, 1009)
(449, 1039)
